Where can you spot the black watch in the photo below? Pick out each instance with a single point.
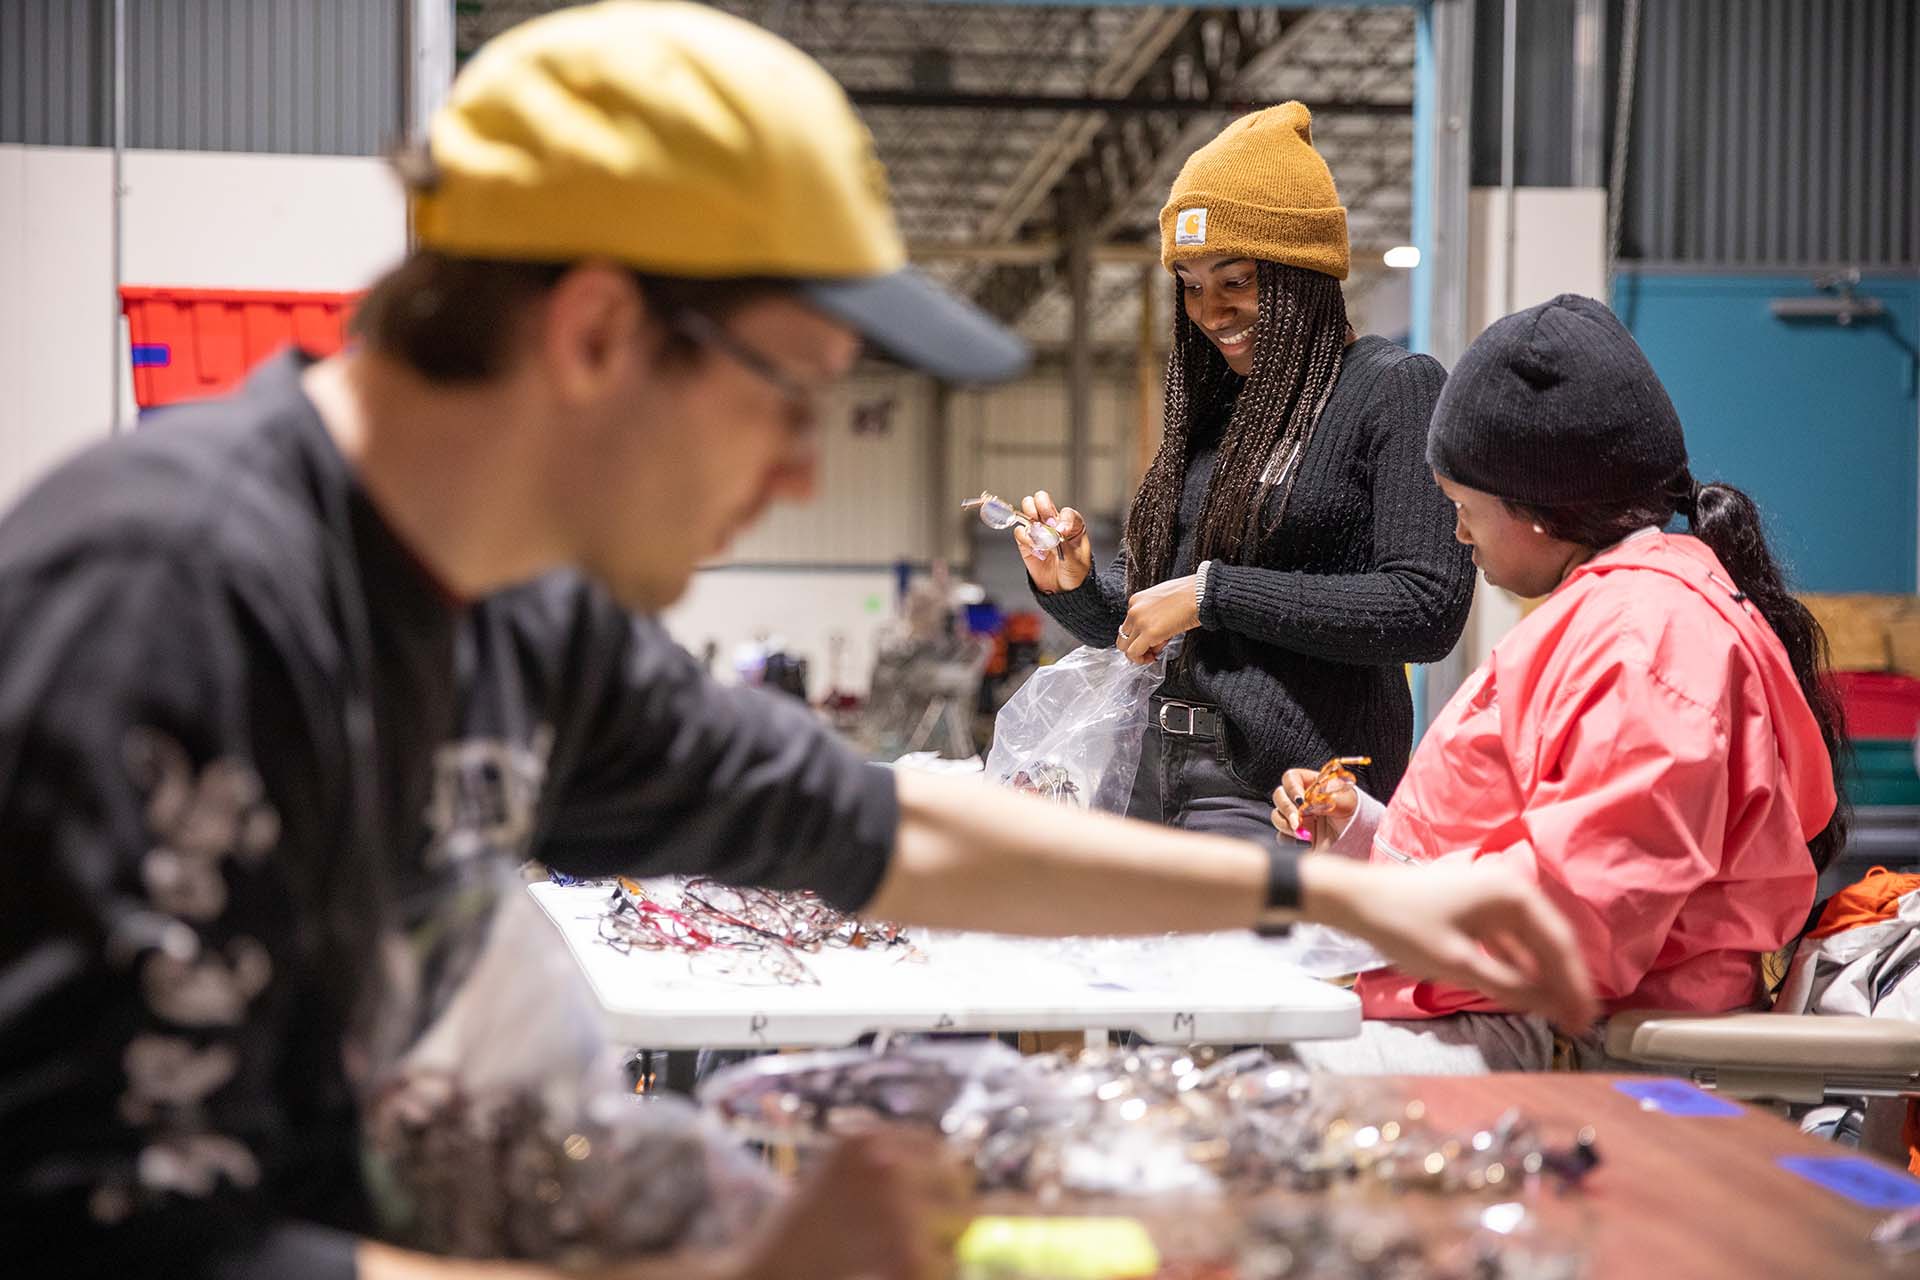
(1283, 893)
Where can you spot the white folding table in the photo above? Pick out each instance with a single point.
(1230, 988)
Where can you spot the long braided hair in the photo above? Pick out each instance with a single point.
(1298, 340)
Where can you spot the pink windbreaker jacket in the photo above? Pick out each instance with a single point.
(1640, 747)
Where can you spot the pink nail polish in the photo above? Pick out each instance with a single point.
(1303, 834)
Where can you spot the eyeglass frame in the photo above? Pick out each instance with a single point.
(703, 330)
(1319, 793)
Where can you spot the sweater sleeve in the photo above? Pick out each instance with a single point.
(1356, 841)
(1411, 603)
(1093, 611)
(682, 775)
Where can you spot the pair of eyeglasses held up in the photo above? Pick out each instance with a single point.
(1318, 797)
(998, 513)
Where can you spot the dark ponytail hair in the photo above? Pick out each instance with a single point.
(1729, 523)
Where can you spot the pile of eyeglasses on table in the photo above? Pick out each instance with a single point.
(1150, 1120)
(505, 1173)
(750, 935)
(1301, 1240)
(1155, 1122)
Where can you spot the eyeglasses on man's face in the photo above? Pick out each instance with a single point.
(802, 397)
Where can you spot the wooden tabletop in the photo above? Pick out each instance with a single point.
(1696, 1196)
(1675, 1197)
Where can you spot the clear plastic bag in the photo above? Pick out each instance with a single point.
(507, 1129)
(1073, 731)
(1323, 951)
(806, 1099)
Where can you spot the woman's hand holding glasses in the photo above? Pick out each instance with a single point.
(1053, 540)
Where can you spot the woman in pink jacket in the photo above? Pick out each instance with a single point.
(1654, 744)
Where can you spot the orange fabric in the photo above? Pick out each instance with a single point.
(1872, 899)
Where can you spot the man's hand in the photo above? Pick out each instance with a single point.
(886, 1204)
(1473, 926)
(883, 1205)
(1156, 615)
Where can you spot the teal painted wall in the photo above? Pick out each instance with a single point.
(1819, 422)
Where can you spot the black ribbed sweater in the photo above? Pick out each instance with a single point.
(1302, 644)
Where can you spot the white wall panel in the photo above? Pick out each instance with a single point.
(201, 220)
(799, 609)
(869, 508)
(1015, 440)
(1560, 246)
(222, 220)
(56, 307)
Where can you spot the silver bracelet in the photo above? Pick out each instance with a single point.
(1200, 585)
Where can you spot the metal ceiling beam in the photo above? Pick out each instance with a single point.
(1201, 65)
(1044, 252)
(949, 100)
(1030, 253)
(1145, 41)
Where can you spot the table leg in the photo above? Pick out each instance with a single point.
(681, 1073)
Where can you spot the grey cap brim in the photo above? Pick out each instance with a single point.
(920, 324)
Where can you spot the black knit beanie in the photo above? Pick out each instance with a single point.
(1557, 405)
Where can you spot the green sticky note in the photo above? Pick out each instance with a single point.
(1007, 1248)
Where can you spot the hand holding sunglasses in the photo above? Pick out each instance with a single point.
(1331, 794)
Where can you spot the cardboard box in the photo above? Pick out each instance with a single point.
(1857, 628)
(1903, 639)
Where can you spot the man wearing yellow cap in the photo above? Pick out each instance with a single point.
(286, 679)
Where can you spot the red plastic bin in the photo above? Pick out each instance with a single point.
(1879, 704)
(189, 344)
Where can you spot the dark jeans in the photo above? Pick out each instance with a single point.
(1184, 782)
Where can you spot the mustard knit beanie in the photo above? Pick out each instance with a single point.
(1258, 190)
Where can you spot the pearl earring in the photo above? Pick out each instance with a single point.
(1538, 529)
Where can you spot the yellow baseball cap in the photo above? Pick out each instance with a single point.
(686, 142)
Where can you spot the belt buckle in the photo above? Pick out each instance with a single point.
(1180, 706)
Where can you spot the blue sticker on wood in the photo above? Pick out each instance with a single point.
(1865, 1182)
(1676, 1098)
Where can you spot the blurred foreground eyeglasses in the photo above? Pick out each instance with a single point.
(998, 513)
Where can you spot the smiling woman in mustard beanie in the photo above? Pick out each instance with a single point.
(1288, 527)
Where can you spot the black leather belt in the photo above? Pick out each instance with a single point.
(1186, 719)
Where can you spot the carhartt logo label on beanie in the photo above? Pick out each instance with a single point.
(1193, 227)
(1556, 405)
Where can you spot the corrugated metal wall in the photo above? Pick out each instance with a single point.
(880, 496)
(1543, 83)
(870, 505)
(1776, 132)
(303, 77)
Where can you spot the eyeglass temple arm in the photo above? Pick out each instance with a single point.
(1018, 518)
